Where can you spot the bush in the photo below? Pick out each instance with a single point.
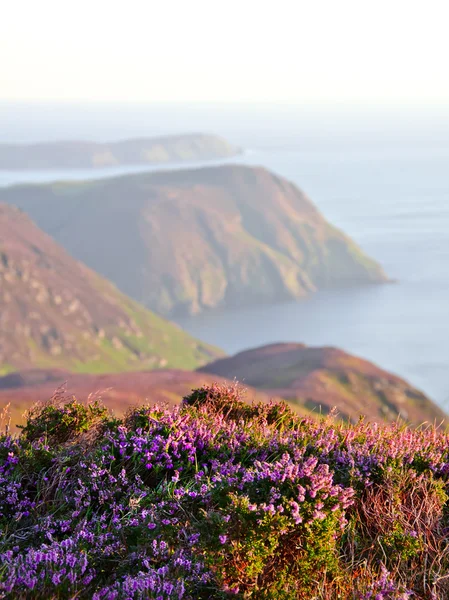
(62, 419)
(220, 499)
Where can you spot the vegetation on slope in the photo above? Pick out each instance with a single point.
(320, 379)
(192, 240)
(139, 151)
(118, 391)
(55, 312)
(221, 499)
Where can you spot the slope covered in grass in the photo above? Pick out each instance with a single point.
(55, 312)
(321, 378)
(221, 499)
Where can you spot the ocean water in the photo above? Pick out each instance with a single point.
(386, 184)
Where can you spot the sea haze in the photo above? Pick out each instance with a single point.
(387, 186)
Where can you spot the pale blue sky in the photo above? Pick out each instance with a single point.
(385, 52)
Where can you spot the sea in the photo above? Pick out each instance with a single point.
(382, 176)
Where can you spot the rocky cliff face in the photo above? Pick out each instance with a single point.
(141, 151)
(54, 311)
(193, 240)
(319, 379)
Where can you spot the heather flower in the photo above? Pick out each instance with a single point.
(147, 509)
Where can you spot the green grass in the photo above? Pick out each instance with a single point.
(162, 344)
(5, 368)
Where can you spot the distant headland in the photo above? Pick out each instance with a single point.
(139, 151)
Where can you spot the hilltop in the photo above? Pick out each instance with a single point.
(139, 151)
(56, 312)
(312, 380)
(322, 378)
(182, 242)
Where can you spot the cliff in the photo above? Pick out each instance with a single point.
(186, 241)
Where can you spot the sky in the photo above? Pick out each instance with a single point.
(356, 52)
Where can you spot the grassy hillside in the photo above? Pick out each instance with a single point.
(55, 312)
(220, 499)
(319, 379)
(192, 240)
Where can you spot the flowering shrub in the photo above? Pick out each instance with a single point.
(221, 499)
(59, 420)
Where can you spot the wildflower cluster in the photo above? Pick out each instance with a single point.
(218, 499)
